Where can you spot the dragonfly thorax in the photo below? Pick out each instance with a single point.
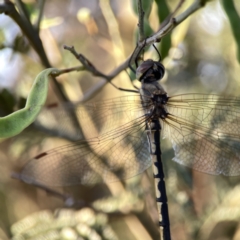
(153, 95)
(150, 89)
(159, 110)
(154, 102)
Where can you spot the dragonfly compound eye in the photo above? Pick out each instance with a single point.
(150, 71)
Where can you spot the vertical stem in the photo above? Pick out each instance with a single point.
(23, 10)
(40, 14)
(33, 37)
(140, 21)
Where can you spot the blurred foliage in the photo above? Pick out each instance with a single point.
(163, 12)
(7, 102)
(200, 56)
(234, 20)
(64, 224)
(147, 7)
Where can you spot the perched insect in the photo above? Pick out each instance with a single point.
(204, 131)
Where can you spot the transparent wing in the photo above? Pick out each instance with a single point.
(121, 151)
(76, 121)
(205, 132)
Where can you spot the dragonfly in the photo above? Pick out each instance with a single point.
(122, 138)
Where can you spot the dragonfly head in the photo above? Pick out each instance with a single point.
(150, 71)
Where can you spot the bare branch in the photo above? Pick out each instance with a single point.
(23, 11)
(154, 38)
(4, 8)
(88, 66)
(141, 21)
(86, 63)
(67, 70)
(27, 30)
(193, 8)
(40, 14)
(164, 30)
(167, 27)
(33, 37)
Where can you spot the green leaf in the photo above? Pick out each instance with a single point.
(234, 20)
(163, 13)
(16, 122)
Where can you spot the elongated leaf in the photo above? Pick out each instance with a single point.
(163, 13)
(16, 122)
(234, 20)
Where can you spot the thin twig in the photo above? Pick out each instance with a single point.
(165, 28)
(105, 78)
(88, 66)
(193, 8)
(40, 14)
(35, 41)
(33, 37)
(171, 24)
(141, 21)
(102, 82)
(67, 70)
(27, 30)
(172, 15)
(23, 11)
(86, 63)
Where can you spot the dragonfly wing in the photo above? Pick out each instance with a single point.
(204, 131)
(120, 153)
(76, 121)
(218, 113)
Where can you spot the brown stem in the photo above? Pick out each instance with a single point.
(33, 37)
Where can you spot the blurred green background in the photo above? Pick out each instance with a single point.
(200, 56)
